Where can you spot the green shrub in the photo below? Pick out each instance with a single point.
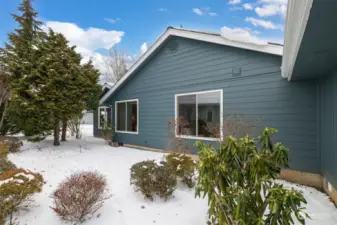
(14, 143)
(184, 167)
(107, 133)
(152, 179)
(16, 189)
(6, 165)
(238, 179)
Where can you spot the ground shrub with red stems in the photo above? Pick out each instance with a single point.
(79, 196)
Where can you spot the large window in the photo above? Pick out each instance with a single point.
(127, 116)
(104, 117)
(199, 115)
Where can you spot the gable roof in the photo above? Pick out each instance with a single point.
(270, 48)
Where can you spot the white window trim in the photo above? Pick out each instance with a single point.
(126, 111)
(99, 115)
(221, 117)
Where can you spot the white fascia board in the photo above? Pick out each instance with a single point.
(297, 18)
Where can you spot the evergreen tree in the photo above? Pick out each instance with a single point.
(67, 85)
(28, 112)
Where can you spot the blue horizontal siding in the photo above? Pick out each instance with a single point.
(328, 127)
(259, 93)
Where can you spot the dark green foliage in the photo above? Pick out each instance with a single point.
(238, 179)
(21, 58)
(48, 82)
(152, 179)
(184, 167)
(6, 165)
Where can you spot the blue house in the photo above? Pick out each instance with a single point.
(201, 76)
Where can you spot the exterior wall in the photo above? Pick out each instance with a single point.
(328, 127)
(259, 93)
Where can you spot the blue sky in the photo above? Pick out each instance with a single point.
(96, 25)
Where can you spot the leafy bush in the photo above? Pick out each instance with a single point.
(80, 196)
(183, 166)
(6, 165)
(238, 179)
(14, 143)
(16, 189)
(152, 179)
(107, 132)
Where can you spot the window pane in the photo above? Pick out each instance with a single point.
(209, 114)
(108, 117)
(121, 116)
(132, 116)
(186, 115)
(102, 116)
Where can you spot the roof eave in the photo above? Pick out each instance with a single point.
(298, 13)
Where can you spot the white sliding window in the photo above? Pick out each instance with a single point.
(199, 115)
(127, 116)
(104, 117)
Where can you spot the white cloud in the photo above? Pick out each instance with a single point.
(91, 38)
(272, 8)
(247, 6)
(233, 2)
(242, 35)
(236, 8)
(198, 11)
(204, 11)
(87, 41)
(113, 21)
(162, 10)
(143, 48)
(264, 23)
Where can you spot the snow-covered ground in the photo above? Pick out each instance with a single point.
(125, 207)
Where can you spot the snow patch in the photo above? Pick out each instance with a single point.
(126, 207)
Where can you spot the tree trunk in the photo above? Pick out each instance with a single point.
(64, 130)
(57, 133)
(3, 115)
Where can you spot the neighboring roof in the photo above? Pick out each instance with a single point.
(215, 38)
(297, 17)
(107, 85)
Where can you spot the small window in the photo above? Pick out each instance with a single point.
(198, 114)
(127, 117)
(104, 116)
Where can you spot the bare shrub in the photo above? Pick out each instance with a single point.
(17, 186)
(74, 126)
(79, 196)
(152, 179)
(235, 125)
(176, 129)
(14, 143)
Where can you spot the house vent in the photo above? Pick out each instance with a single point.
(173, 46)
(236, 71)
